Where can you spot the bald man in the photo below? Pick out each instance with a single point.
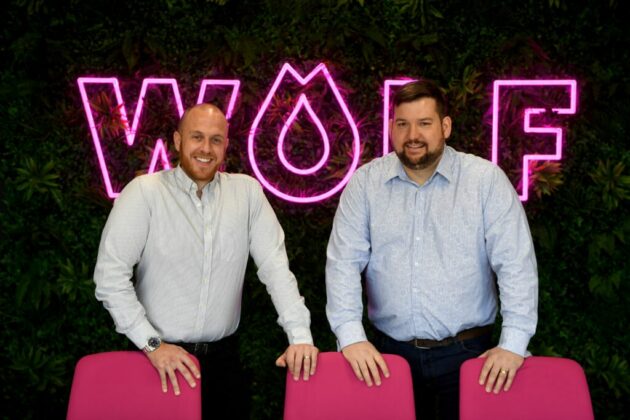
(185, 236)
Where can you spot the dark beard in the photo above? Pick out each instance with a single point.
(425, 161)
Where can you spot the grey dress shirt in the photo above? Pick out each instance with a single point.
(190, 256)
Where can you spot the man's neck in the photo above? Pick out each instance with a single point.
(420, 176)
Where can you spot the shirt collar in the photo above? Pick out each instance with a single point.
(189, 186)
(444, 168)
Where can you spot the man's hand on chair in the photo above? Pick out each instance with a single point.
(299, 358)
(169, 358)
(366, 361)
(499, 369)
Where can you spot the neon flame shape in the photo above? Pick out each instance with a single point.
(159, 151)
(558, 132)
(303, 103)
(386, 110)
(321, 68)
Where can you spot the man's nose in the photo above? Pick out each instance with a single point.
(205, 145)
(414, 132)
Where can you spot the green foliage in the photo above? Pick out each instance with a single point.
(52, 205)
(35, 178)
(614, 184)
(546, 177)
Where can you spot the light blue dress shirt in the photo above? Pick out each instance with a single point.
(430, 253)
(189, 256)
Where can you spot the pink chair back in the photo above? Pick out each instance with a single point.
(124, 385)
(334, 392)
(544, 388)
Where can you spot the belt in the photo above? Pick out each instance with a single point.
(461, 336)
(205, 348)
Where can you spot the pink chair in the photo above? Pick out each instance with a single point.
(544, 388)
(124, 385)
(334, 392)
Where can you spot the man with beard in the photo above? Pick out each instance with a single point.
(430, 228)
(187, 233)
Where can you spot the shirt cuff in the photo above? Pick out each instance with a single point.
(350, 333)
(140, 334)
(514, 340)
(300, 335)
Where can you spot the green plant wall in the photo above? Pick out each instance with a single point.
(53, 205)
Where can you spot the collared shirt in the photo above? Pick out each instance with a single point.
(430, 253)
(190, 256)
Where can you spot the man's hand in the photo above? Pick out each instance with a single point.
(499, 369)
(169, 358)
(365, 361)
(299, 357)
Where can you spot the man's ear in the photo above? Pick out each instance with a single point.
(446, 126)
(177, 139)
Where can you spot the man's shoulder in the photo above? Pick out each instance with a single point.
(239, 180)
(147, 183)
(378, 169)
(469, 164)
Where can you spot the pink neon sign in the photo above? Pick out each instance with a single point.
(386, 108)
(527, 126)
(159, 151)
(303, 103)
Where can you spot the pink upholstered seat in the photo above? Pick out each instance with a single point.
(124, 385)
(334, 392)
(544, 388)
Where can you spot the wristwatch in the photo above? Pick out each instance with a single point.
(152, 345)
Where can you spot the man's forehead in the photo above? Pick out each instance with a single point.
(198, 119)
(419, 109)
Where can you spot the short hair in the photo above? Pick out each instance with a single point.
(419, 89)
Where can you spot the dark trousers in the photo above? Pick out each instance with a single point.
(435, 372)
(225, 387)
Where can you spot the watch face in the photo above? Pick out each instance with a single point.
(154, 342)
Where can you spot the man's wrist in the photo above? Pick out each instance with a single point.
(153, 343)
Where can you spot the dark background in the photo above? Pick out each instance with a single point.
(53, 205)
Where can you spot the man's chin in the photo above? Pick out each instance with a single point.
(413, 163)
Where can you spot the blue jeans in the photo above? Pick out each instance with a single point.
(435, 372)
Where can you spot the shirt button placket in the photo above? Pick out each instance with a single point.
(206, 266)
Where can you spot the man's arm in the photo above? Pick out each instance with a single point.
(347, 256)
(511, 253)
(268, 251)
(122, 242)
